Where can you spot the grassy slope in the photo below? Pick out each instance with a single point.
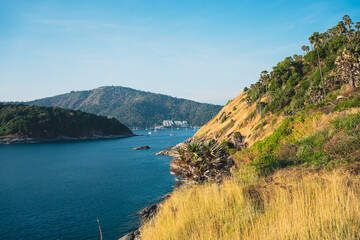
(299, 176)
(238, 118)
(298, 202)
(293, 204)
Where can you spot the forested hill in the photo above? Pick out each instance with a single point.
(133, 107)
(23, 121)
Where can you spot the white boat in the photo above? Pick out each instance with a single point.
(171, 133)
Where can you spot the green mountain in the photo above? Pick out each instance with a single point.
(21, 121)
(133, 107)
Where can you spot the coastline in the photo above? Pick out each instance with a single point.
(14, 141)
(150, 211)
(172, 151)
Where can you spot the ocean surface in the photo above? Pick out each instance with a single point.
(57, 190)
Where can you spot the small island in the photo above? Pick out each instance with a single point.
(21, 124)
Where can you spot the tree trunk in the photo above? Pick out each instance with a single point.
(351, 81)
(266, 90)
(322, 80)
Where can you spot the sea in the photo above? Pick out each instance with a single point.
(59, 190)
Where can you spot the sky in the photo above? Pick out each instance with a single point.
(203, 50)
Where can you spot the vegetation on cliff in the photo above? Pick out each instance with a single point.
(44, 122)
(294, 137)
(132, 107)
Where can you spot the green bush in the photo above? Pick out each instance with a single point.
(267, 164)
(348, 103)
(223, 119)
(232, 151)
(347, 124)
(251, 115)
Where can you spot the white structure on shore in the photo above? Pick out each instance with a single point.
(171, 123)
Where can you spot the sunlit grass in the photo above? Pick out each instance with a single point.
(293, 204)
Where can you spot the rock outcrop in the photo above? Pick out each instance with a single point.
(141, 148)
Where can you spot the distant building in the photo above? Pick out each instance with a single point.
(171, 123)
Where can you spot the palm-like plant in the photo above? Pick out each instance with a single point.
(340, 28)
(357, 26)
(305, 49)
(317, 41)
(348, 23)
(264, 76)
(201, 161)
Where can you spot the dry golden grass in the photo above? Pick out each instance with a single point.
(292, 204)
(219, 130)
(237, 111)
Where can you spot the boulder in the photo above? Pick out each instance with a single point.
(148, 212)
(141, 148)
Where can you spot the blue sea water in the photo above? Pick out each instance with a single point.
(57, 190)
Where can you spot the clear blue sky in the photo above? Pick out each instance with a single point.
(206, 51)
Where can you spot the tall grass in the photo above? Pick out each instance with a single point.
(289, 205)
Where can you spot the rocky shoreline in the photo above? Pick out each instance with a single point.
(145, 215)
(172, 151)
(18, 140)
(149, 212)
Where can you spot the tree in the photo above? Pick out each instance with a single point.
(304, 49)
(264, 77)
(340, 28)
(348, 23)
(275, 75)
(317, 41)
(259, 91)
(307, 49)
(357, 26)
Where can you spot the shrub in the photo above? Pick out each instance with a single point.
(232, 151)
(348, 103)
(223, 119)
(251, 115)
(266, 164)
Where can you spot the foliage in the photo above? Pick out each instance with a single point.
(201, 161)
(348, 103)
(44, 122)
(223, 119)
(334, 59)
(339, 142)
(251, 116)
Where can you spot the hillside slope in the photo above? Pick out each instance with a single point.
(21, 122)
(294, 137)
(132, 107)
